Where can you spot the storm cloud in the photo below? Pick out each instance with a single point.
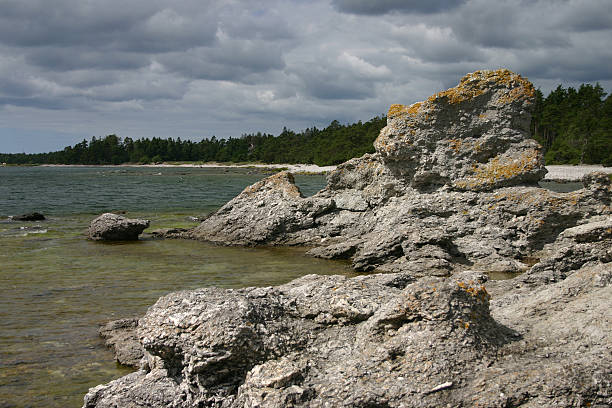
(71, 69)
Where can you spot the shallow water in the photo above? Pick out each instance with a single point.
(56, 288)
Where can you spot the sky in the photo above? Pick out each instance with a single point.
(73, 69)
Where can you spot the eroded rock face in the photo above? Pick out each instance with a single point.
(438, 209)
(451, 187)
(120, 335)
(386, 340)
(113, 227)
(471, 137)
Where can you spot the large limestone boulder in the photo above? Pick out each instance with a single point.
(451, 187)
(474, 136)
(266, 210)
(114, 227)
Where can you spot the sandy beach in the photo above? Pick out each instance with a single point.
(555, 172)
(569, 173)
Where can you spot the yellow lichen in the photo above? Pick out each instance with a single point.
(498, 169)
(398, 110)
(477, 83)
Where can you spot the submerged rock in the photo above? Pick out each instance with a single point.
(113, 227)
(34, 216)
(121, 337)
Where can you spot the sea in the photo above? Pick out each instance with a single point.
(57, 288)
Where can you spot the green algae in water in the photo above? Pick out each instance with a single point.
(56, 288)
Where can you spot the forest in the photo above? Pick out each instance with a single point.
(573, 125)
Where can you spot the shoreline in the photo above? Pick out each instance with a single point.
(294, 168)
(560, 173)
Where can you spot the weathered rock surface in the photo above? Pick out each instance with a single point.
(453, 186)
(449, 196)
(34, 216)
(114, 227)
(387, 340)
(121, 337)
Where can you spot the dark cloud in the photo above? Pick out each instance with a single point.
(191, 68)
(76, 58)
(379, 7)
(230, 60)
(140, 26)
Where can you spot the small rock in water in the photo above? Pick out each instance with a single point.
(113, 227)
(33, 216)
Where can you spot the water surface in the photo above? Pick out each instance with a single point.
(56, 288)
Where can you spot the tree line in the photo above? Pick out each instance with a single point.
(332, 145)
(573, 126)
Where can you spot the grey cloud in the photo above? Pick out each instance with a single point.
(145, 88)
(323, 83)
(231, 60)
(586, 16)
(66, 59)
(379, 7)
(508, 25)
(140, 26)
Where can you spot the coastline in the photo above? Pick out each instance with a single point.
(294, 168)
(559, 173)
(573, 173)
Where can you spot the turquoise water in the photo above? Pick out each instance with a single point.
(56, 288)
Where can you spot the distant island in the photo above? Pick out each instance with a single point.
(573, 125)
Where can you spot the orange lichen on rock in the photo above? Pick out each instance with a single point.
(499, 169)
(479, 292)
(477, 83)
(398, 110)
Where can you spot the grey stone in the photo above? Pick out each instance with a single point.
(34, 216)
(448, 197)
(451, 187)
(114, 227)
(121, 337)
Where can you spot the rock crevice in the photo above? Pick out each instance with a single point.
(449, 197)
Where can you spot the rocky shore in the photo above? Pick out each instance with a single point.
(449, 197)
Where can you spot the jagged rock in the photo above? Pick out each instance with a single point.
(448, 197)
(268, 209)
(309, 343)
(35, 216)
(383, 340)
(451, 187)
(121, 337)
(472, 137)
(113, 227)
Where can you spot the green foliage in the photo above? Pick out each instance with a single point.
(574, 126)
(333, 145)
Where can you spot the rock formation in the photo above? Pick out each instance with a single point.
(34, 216)
(387, 340)
(121, 337)
(449, 196)
(453, 186)
(113, 227)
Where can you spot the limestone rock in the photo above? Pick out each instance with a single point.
(448, 197)
(121, 337)
(382, 340)
(262, 213)
(450, 188)
(113, 227)
(472, 137)
(34, 216)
